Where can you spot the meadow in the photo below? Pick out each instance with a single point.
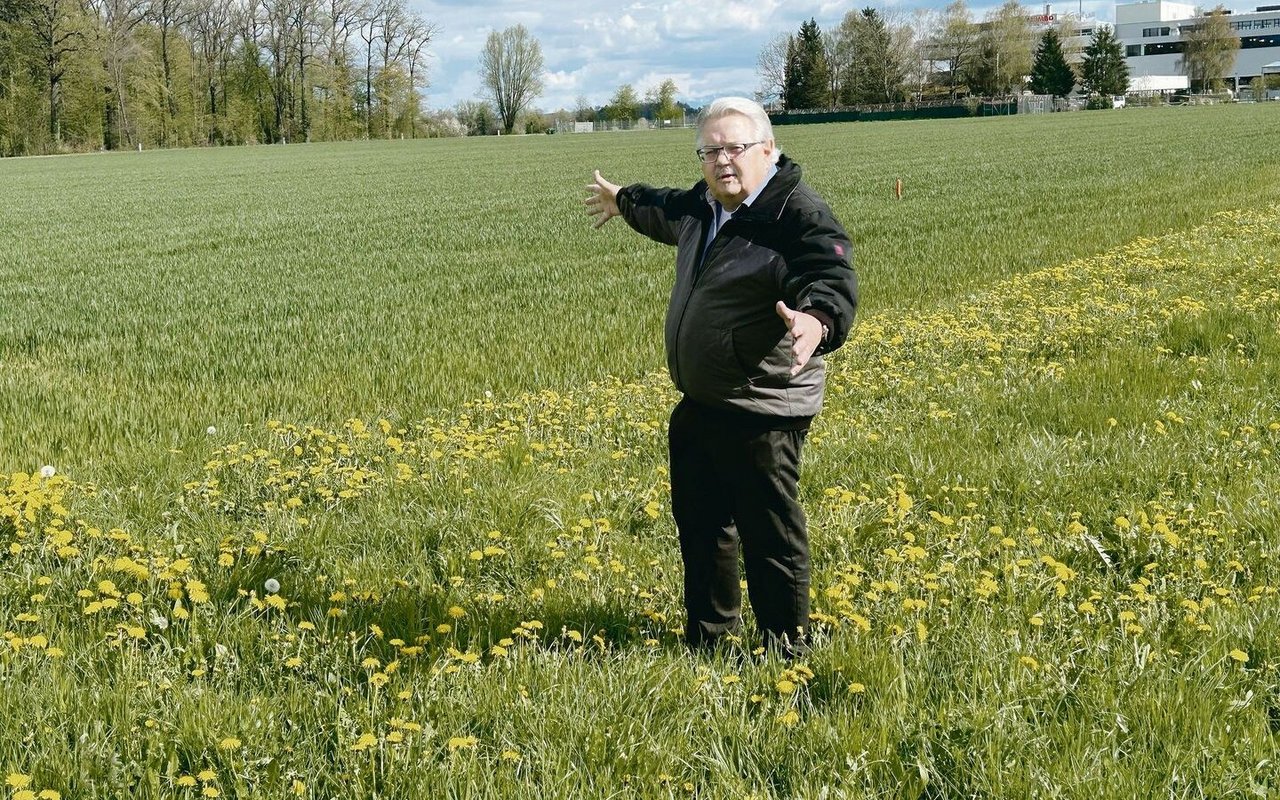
(358, 474)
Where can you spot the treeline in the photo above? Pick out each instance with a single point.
(88, 74)
(877, 57)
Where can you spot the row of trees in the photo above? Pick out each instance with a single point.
(122, 73)
(1102, 71)
(876, 56)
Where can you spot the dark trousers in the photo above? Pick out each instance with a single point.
(734, 484)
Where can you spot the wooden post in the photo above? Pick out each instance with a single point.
(897, 189)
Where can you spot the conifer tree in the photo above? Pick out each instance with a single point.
(1050, 73)
(807, 84)
(1104, 70)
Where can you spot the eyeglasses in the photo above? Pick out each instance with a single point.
(710, 155)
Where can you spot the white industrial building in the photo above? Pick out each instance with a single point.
(1152, 35)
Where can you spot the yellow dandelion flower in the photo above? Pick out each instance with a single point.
(24, 794)
(299, 788)
(365, 741)
(510, 755)
(49, 794)
(1239, 655)
(785, 686)
(229, 743)
(17, 780)
(444, 628)
(857, 688)
(456, 612)
(197, 592)
(210, 791)
(790, 717)
(206, 775)
(462, 743)
(185, 781)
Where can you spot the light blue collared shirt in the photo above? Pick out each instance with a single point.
(719, 216)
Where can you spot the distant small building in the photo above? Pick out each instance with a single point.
(1152, 35)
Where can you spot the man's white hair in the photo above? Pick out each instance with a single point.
(742, 106)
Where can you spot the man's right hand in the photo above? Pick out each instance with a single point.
(602, 202)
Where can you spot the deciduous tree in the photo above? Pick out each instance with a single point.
(624, 104)
(1210, 49)
(663, 100)
(511, 71)
(876, 71)
(956, 43)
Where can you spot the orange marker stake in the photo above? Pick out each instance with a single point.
(897, 189)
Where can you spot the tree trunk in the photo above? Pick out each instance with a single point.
(171, 104)
(109, 141)
(55, 124)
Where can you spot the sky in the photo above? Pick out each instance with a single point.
(708, 47)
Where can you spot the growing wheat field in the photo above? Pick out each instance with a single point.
(339, 471)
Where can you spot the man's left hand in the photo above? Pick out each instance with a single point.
(806, 335)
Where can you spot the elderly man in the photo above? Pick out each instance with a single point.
(764, 286)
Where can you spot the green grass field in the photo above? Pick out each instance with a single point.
(426, 549)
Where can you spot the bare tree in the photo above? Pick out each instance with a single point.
(212, 25)
(394, 24)
(116, 20)
(279, 41)
(340, 17)
(167, 16)
(304, 38)
(771, 66)
(911, 42)
(839, 59)
(511, 70)
(420, 34)
(367, 30)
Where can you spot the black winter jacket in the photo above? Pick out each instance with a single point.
(726, 345)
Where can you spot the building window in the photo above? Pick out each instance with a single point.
(1164, 48)
(1149, 32)
(1132, 50)
(1252, 42)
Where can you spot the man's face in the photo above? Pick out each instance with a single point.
(733, 180)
